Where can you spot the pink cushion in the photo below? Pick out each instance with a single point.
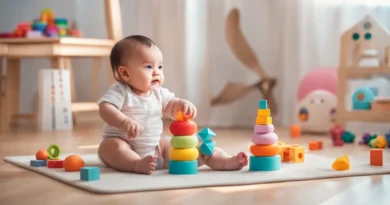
(264, 139)
(264, 128)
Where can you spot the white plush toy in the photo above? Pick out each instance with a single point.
(317, 100)
(315, 112)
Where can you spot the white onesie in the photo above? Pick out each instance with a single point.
(147, 111)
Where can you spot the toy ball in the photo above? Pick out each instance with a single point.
(42, 155)
(73, 163)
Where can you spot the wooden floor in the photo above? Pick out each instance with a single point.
(19, 186)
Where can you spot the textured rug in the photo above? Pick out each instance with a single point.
(111, 181)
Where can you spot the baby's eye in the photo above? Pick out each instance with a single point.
(160, 67)
(148, 67)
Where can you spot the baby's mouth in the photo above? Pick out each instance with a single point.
(155, 81)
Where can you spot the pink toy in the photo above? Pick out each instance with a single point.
(317, 100)
(264, 128)
(264, 139)
(324, 78)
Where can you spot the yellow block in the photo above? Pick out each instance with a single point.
(184, 154)
(263, 120)
(297, 154)
(381, 142)
(263, 112)
(341, 163)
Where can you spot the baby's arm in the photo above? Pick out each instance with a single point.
(111, 115)
(171, 108)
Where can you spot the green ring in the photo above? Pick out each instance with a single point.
(183, 142)
(57, 151)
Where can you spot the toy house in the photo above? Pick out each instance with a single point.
(364, 53)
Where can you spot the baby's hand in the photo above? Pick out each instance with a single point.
(187, 108)
(131, 127)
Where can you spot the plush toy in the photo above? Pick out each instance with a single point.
(317, 100)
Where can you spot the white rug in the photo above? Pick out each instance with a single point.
(111, 181)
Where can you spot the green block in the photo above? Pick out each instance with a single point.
(264, 163)
(263, 104)
(183, 167)
(89, 173)
(348, 137)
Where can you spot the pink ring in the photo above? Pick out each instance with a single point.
(264, 128)
(264, 139)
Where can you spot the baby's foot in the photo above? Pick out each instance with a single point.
(146, 165)
(236, 162)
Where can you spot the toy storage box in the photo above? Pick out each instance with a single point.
(54, 100)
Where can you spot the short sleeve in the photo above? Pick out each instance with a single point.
(166, 96)
(115, 95)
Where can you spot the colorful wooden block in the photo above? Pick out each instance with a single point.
(207, 148)
(271, 163)
(89, 173)
(263, 120)
(55, 163)
(263, 104)
(263, 112)
(376, 157)
(183, 167)
(315, 145)
(295, 131)
(341, 163)
(206, 134)
(38, 163)
(297, 154)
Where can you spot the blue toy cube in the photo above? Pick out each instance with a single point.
(263, 104)
(206, 134)
(38, 163)
(207, 148)
(90, 173)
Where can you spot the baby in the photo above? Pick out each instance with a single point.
(132, 110)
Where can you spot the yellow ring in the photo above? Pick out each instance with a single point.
(184, 154)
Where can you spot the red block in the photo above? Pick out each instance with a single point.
(55, 164)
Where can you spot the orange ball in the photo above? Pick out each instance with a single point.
(42, 155)
(73, 163)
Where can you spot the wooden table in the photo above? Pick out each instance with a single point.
(59, 51)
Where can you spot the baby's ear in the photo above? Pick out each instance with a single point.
(123, 73)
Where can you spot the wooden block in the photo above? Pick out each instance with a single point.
(263, 113)
(38, 163)
(297, 154)
(295, 131)
(55, 163)
(376, 157)
(89, 173)
(263, 120)
(314, 145)
(341, 163)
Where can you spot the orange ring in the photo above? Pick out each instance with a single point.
(264, 150)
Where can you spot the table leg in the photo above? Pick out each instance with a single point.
(12, 89)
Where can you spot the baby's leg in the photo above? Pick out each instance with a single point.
(117, 154)
(220, 160)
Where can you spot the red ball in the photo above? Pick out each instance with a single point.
(183, 128)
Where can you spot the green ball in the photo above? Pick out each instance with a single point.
(184, 142)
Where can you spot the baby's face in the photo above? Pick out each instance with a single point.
(145, 68)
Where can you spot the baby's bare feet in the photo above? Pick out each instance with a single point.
(146, 165)
(236, 162)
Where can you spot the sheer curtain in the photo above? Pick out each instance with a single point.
(289, 38)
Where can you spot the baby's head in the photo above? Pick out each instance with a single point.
(137, 61)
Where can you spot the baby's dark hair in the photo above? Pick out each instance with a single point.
(123, 47)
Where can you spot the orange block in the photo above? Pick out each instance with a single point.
(295, 131)
(264, 150)
(376, 157)
(297, 154)
(285, 153)
(315, 145)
